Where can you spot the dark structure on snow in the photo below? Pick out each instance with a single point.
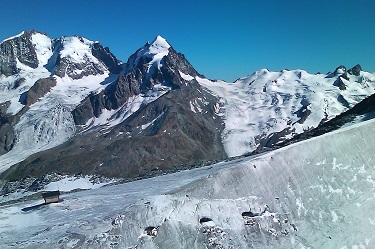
(51, 197)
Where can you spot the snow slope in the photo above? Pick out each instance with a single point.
(49, 121)
(317, 193)
(267, 102)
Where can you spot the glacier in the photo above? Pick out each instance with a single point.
(290, 101)
(318, 193)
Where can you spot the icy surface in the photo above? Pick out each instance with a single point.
(315, 194)
(267, 102)
(49, 121)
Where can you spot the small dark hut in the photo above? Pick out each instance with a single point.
(51, 197)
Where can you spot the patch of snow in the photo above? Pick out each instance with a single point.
(77, 49)
(43, 47)
(71, 183)
(186, 76)
(150, 123)
(111, 118)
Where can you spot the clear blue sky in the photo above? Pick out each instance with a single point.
(221, 39)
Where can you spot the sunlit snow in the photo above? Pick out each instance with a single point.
(266, 102)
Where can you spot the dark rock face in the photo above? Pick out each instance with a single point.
(340, 84)
(18, 83)
(178, 61)
(19, 48)
(272, 139)
(356, 70)
(133, 83)
(77, 70)
(7, 137)
(104, 55)
(114, 96)
(38, 90)
(343, 101)
(341, 67)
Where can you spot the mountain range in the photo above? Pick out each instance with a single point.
(69, 106)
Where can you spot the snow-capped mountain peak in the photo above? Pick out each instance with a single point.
(152, 53)
(76, 48)
(159, 45)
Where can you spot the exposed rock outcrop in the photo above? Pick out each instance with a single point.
(38, 90)
(356, 70)
(7, 137)
(19, 48)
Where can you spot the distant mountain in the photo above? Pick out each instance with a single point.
(97, 119)
(267, 108)
(69, 106)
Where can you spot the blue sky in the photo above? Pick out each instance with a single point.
(221, 39)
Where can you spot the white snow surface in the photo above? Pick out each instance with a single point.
(266, 102)
(77, 49)
(43, 47)
(318, 193)
(186, 76)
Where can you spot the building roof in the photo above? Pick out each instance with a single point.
(50, 194)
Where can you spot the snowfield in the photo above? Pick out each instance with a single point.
(267, 102)
(317, 193)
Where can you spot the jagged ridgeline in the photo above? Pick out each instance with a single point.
(69, 106)
(97, 115)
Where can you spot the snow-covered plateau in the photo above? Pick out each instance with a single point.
(318, 193)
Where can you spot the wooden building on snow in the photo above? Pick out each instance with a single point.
(51, 197)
